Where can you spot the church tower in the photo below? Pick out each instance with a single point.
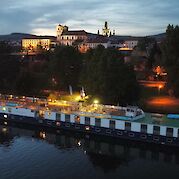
(106, 30)
(60, 29)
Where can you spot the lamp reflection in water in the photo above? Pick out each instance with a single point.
(42, 135)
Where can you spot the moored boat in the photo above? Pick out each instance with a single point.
(121, 122)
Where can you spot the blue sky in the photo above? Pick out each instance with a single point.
(127, 17)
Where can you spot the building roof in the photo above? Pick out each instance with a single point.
(75, 32)
(53, 38)
(97, 40)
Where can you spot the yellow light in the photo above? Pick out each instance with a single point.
(95, 101)
(4, 109)
(4, 129)
(77, 98)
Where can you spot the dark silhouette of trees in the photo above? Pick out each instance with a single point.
(9, 68)
(170, 57)
(105, 75)
(65, 67)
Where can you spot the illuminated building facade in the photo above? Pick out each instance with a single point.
(66, 37)
(37, 43)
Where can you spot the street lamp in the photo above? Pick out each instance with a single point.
(159, 88)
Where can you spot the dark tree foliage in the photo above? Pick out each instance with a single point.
(5, 49)
(65, 67)
(30, 83)
(144, 43)
(9, 68)
(104, 74)
(170, 54)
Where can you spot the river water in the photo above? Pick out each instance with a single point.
(34, 153)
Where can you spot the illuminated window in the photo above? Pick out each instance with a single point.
(3, 108)
(77, 119)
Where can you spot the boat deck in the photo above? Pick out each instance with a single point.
(159, 119)
(100, 111)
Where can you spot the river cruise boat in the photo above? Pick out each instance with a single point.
(120, 122)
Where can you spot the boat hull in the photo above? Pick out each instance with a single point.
(115, 133)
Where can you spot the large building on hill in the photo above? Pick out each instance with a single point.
(66, 37)
(38, 42)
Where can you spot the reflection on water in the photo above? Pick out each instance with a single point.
(33, 152)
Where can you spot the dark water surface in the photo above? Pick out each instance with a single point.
(30, 153)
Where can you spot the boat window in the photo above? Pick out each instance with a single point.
(143, 128)
(128, 110)
(9, 109)
(67, 117)
(131, 134)
(156, 138)
(98, 122)
(97, 129)
(67, 125)
(77, 119)
(143, 136)
(77, 126)
(112, 124)
(87, 120)
(156, 130)
(49, 123)
(169, 132)
(119, 133)
(58, 116)
(108, 131)
(127, 126)
(169, 140)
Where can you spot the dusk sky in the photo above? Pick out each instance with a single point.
(127, 17)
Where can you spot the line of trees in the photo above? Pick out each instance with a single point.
(170, 57)
(102, 72)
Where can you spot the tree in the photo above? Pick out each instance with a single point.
(65, 67)
(9, 68)
(105, 75)
(170, 57)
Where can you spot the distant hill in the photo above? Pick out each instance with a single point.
(20, 36)
(159, 36)
(15, 36)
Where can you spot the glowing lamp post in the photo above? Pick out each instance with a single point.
(159, 88)
(95, 101)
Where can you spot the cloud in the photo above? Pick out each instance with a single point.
(133, 17)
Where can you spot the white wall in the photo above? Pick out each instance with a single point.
(149, 129)
(120, 125)
(136, 127)
(105, 123)
(163, 130)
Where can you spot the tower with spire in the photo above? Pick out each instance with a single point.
(106, 30)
